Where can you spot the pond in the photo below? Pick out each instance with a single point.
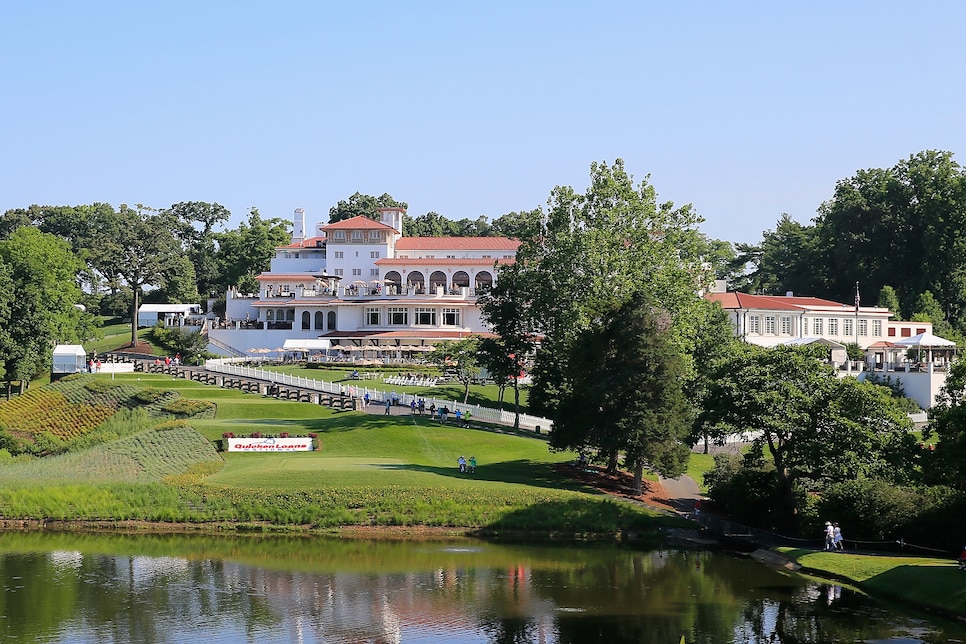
(175, 588)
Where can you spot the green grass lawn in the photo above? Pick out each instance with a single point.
(922, 581)
(371, 470)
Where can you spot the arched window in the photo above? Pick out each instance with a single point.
(460, 278)
(393, 279)
(415, 278)
(319, 320)
(270, 315)
(306, 320)
(331, 320)
(290, 315)
(484, 280)
(438, 278)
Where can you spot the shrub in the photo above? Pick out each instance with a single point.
(149, 395)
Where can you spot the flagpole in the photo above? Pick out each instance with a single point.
(857, 312)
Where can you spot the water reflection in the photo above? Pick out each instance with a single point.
(150, 588)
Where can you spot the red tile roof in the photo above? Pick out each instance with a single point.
(442, 261)
(457, 243)
(357, 223)
(311, 242)
(768, 302)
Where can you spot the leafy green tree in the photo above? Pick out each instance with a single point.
(362, 205)
(947, 419)
(595, 251)
(247, 251)
(815, 427)
(145, 248)
(888, 299)
(906, 220)
(525, 224)
(506, 307)
(38, 294)
(713, 342)
(432, 224)
(196, 221)
(628, 393)
(460, 357)
(786, 260)
(179, 283)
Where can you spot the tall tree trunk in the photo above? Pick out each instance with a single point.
(638, 479)
(612, 461)
(516, 403)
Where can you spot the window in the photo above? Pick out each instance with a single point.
(451, 317)
(817, 326)
(374, 235)
(339, 234)
(877, 327)
(373, 272)
(425, 316)
(319, 320)
(848, 329)
(833, 326)
(863, 327)
(330, 319)
(770, 324)
(374, 254)
(356, 235)
(357, 271)
(339, 254)
(338, 271)
(372, 316)
(786, 325)
(306, 320)
(754, 324)
(398, 315)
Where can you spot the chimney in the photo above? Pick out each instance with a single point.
(298, 225)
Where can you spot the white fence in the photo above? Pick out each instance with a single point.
(376, 396)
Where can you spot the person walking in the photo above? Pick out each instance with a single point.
(462, 463)
(366, 399)
(837, 543)
(388, 405)
(472, 464)
(829, 535)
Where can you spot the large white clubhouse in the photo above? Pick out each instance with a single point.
(360, 286)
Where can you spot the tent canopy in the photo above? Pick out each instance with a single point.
(926, 339)
(305, 344)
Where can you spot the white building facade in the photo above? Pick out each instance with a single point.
(362, 285)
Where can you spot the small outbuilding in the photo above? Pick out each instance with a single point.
(68, 359)
(169, 314)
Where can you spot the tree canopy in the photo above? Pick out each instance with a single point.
(815, 427)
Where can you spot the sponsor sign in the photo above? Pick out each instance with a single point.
(269, 444)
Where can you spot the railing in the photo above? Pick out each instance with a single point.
(477, 412)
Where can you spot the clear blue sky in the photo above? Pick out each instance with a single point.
(743, 109)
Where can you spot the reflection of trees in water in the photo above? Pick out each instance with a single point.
(525, 594)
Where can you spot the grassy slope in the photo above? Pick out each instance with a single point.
(372, 470)
(921, 581)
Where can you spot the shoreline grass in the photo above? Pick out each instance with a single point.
(928, 583)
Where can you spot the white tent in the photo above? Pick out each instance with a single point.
(67, 359)
(926, 340)
(305, 344)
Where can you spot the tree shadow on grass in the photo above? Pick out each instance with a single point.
(523, 472)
